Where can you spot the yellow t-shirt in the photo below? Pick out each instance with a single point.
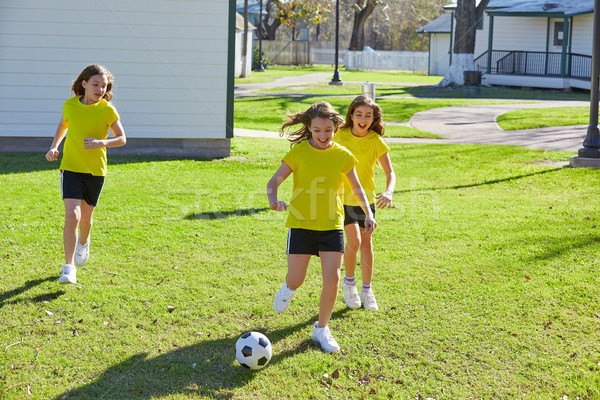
(367, 150)
(93, 120)
(316, 202)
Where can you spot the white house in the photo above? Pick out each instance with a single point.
(240, 66)
(173, 62)
(534, 43)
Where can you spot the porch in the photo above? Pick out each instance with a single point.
(535, 69)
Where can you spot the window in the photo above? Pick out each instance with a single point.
(559, 27)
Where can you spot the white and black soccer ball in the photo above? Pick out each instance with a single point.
(253, 350)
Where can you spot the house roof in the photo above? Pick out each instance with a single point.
(546, 8)
(239, 23)
(561, 7)
(441, 24)
(253, 6)
(538, 7)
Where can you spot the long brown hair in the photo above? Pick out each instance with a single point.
(321, 109)
(85, 75)
(377, 126)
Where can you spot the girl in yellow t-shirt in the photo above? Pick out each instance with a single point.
(315, 213)
(87, 116)
(362, 135)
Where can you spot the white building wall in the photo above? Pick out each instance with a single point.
(239, 66)
(439, 57)
(583, 26)
(519, 33)
(169, 59)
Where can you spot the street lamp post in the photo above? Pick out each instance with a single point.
(336, 75)
(589, 155)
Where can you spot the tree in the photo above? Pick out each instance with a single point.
(467, 15)
(295, 13)
(362, 10)
(298, 13)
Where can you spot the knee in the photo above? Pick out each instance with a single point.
(353, 243)
(72, 216)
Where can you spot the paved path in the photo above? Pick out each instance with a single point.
(477, 124)
(466, 124)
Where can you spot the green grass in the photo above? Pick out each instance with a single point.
(544, 117)
(272, 73)
(273, 110)
(486, 275)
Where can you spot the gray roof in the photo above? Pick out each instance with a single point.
(441, 24)
(253, 7)
(566, 7)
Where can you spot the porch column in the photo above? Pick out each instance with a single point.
(589, 155)
(490, 45)
(563, 58)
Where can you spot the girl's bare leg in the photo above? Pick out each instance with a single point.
(331, 263)
(353, 243)
(297, 267)
(85, 224)
(366, 256)
(72, 218)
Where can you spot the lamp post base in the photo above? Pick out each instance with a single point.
(584, 162)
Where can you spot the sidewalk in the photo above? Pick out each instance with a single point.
(457, 125)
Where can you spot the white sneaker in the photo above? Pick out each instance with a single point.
(82, 253)
(351, 295)
(283, 298)
(322, 336)
(368, 299)
(69, 274)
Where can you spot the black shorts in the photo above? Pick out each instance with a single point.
(75, 185)
(306, 241)
(354, 214)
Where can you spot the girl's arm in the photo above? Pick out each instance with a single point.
(61, 131)
(117, 141)
(385, 198)
(282, 173)
(360, 195)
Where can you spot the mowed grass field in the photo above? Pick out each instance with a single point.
(486, 276)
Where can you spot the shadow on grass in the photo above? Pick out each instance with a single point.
(568, 244)
(204, 369)
(6, 296)
(226, 214)
(14, 163)
(490, 182)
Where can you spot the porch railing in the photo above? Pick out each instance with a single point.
(535, 63)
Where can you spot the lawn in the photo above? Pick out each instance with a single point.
(273, 110)
(544, 117)
(400, 95)
(486, 277)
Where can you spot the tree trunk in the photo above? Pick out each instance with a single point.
(362, 10)
(467, 15)
(270, 30)
(245, 41)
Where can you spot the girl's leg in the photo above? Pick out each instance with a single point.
(85, 224)
(297, 267)
(366, 256)
(353, 243)
(331, 263)
(72, 218)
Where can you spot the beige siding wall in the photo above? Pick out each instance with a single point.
(582, 34)
(169, 58)
(520, 33)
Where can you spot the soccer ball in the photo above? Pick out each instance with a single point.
(253, 350)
